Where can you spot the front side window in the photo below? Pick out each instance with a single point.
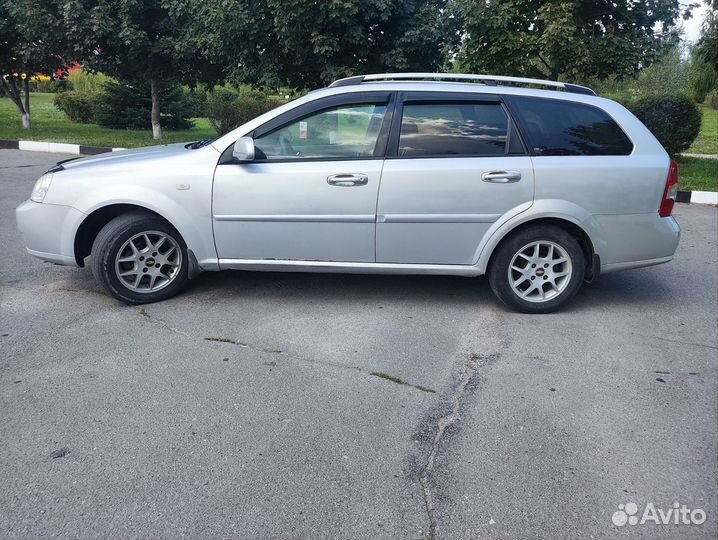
(565, 128)
(344, 132)
(443, 129)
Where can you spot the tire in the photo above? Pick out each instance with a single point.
(129, 260)
(521, 276)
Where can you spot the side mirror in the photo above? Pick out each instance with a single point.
(243, 149)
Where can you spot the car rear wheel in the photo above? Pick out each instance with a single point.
(140, 258)
(537, 269)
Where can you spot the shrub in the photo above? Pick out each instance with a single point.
(702, 78)
(129, 106)
(675, 120)
(228, 108)
(87, 82)
(275, 101)
(196, 101)
(712, 99)
(81, 103)
(77, 106)
(49, 85)
(623, 98)
(221, 110)
(666, 76)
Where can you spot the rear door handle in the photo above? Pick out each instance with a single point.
(347, 180)
(501, 177)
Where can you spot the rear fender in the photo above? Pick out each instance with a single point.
(539, 209)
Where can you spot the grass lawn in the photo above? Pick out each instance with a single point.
(707, 140)
(50, 124)
(699, 174)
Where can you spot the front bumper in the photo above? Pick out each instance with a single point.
(49, 230)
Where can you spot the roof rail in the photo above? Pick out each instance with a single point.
(490, 80)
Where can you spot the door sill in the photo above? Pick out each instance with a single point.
(267, 265)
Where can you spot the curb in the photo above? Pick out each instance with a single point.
(695, 197)
(698, 197)
(65, 148)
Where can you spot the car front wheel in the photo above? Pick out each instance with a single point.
(140, 258)
(537, 269)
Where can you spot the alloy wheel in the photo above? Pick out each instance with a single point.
(540, 271)
(148, 262)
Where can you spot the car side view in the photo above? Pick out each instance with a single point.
(403, 173)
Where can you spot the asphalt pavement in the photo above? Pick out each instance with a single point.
(273, 405)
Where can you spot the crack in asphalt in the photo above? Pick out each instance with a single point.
(451, 407)
(162, 323)
(444, 422)
(266, 350)
(694, 344)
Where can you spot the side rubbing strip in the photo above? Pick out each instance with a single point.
(301, 218)
(438, 218)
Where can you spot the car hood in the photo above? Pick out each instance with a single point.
(127, 157)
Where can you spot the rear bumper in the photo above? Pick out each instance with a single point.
(49, 230)
(637, 240)
(615, 267)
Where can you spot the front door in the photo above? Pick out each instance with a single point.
(455, 164)
(311, 192)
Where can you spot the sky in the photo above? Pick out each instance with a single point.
(692, 27)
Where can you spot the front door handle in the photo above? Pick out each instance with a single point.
(501, 177)
(347, 180)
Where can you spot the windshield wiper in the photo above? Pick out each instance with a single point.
(198, 144)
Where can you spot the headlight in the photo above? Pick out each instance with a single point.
(41, 187)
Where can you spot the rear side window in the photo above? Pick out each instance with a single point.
(460, 128)
(564, 128)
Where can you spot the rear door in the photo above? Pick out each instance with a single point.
(454, 165)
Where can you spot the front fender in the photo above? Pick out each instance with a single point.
(538, 209)
(192, 221)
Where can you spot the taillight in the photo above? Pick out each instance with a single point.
(671, 191)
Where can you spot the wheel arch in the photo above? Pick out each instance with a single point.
(575, 220)
(98, 218)
(571, 228)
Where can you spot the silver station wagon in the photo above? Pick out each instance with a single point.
(402, 173)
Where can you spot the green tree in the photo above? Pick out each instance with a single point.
(136, 41)
(234, 38)
(30, 43)
(566, 38)
(124, 106)
(701, 77)
(666, 76)
(707, 45)
(306, 44)
(703, 66)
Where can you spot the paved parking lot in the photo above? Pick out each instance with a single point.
(259, 405)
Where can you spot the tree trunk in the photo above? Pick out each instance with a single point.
(156, 129)
(14, 92)
(26, 114)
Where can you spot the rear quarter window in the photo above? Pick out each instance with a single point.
(565, 128)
